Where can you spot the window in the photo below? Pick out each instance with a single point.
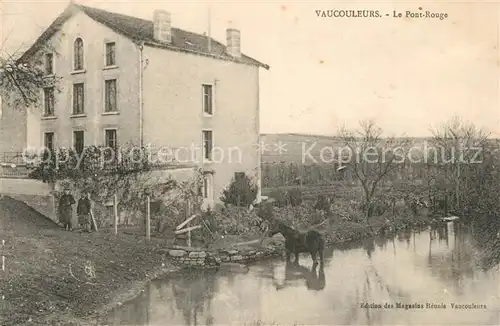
(111, 140)
(78, 54)
(48, 101)
(207, 99)
(49, 64)
(207, 144)
(48, 141)
(205, 187)
(78, 141)
(111, 146)
(110, 93)
(110, 54)
(78, 99)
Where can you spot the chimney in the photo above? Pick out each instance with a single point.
(233, 42)
(162, 26)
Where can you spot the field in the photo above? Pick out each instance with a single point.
(286, 163)
(291, 147)
(295, 148)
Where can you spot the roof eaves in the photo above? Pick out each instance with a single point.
(205, 54)
(73, 8)
(258, 63)
(107, 23)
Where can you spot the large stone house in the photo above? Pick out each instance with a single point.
(126, 80)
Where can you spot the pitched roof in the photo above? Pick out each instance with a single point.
(141, 30)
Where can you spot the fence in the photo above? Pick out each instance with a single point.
(8, 171)
(12, 158)
(12, 165)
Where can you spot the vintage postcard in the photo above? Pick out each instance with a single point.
(249, 162)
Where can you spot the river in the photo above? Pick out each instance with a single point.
(405, 280)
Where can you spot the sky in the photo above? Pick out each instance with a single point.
(407, 74)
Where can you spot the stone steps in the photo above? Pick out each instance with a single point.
(196, 258)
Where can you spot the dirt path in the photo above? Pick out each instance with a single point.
(51, 273)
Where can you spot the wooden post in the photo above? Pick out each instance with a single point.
(188, 213)
(93, 221)
(55, 216)
(148, 218)
(3, 257)
(115, 213)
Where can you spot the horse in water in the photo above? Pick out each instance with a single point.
(298, 242)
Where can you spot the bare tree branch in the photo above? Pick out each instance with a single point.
(21, 82)
(375, 156)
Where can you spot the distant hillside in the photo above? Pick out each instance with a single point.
(295, 148)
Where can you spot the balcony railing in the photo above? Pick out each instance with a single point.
(8, 171)
(12, 165)
(12, 158)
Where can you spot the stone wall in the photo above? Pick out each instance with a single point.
(45, 205)
(35, 194)
(205, 258)
(16, 186)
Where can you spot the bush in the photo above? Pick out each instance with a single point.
(168, 216)
(376, 208)
(348, 231)
(209, 227)
(280, 197)
(283, 198)
(265, 211)
(236, 221)
(294, 196)
(240, 192)
(299, 217)
(343, 210)
(322, 204)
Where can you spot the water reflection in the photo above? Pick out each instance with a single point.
(369, 246)
(314, 279)
(188, 297)
(437, 265)
(439, 232)
(486, 233)
(405, 236)
(452, 254)
(193, 296)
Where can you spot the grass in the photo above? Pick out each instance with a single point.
(55, 275)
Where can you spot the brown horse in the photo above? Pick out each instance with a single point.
(298, 242)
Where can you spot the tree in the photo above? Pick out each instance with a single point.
(21, 79)
(456, 155)
(128, 174)
(240, 192)
(374, 157)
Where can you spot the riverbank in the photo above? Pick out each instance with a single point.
(56, 276)
(53, 275)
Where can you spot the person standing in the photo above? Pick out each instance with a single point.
(83, 211)
(66, 203)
